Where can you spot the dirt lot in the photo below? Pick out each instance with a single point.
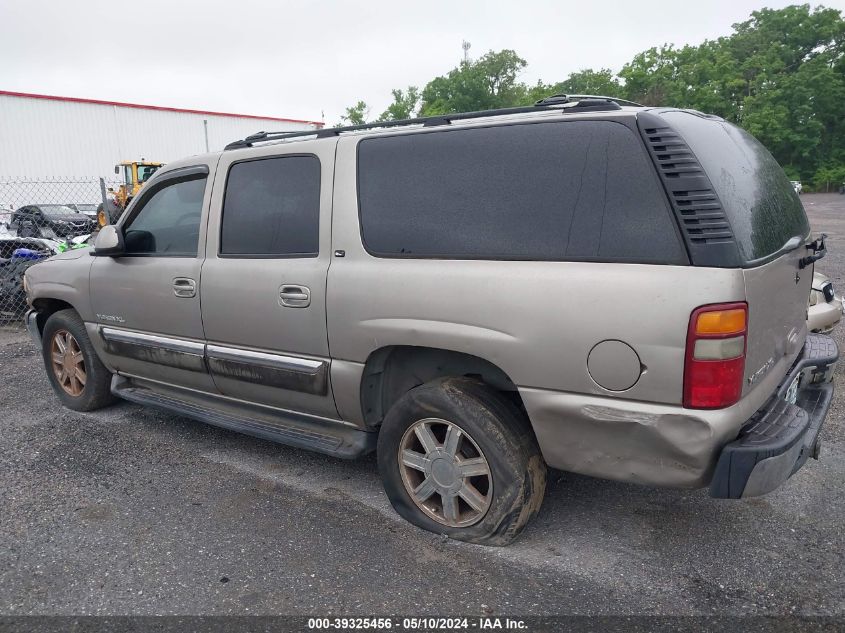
(128, 510)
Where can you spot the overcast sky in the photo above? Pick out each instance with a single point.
(299, 59)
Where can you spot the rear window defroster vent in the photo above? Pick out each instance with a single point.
(700, 215)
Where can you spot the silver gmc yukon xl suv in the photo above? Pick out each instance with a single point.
(601, 288)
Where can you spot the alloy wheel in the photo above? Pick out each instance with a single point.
(445, 473)
(68, 363)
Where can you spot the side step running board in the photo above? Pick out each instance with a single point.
(284, 427)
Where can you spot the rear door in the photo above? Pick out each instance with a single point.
(777, 295)
(264, 279)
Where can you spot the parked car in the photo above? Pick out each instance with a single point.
(799, 188)
(825, 306)
(86, 209)
(51, 220)
(433, 291)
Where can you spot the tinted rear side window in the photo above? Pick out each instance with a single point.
(761, 205)
(272, 207)
(581, 190)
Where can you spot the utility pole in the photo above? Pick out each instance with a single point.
(466, 46)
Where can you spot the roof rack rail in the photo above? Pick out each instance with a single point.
(562, 98)
(580, 103)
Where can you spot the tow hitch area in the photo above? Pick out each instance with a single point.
(779, 438)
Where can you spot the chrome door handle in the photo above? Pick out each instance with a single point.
(291, 296)
(184, 287)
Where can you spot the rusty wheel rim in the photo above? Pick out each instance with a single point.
(68, 363)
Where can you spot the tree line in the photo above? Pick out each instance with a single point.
(780, 75)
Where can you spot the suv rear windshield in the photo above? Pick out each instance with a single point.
(761, 204)
(581, 190)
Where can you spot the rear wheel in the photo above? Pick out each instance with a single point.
(78, 377)
(457, 458)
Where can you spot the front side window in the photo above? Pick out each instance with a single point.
(272, 208)
(168, 222)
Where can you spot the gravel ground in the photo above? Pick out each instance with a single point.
(131, 511)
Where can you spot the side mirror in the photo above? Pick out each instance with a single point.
(109, 242)
(117, 169)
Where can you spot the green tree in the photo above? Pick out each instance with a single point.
(791, 63)
(590, 82)
(829, 177)
(650, 77)
(780, 74)
(486, 83)
(404, 106)
(539, 91)
(355, 115)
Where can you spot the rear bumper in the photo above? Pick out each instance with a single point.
(779, 437)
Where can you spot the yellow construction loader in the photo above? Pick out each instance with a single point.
(135, 174)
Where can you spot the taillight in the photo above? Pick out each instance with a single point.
(715, 356)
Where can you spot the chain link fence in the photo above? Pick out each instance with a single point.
(39, 218)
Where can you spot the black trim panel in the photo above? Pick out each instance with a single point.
(331, 437)
(698, 211)
(305, 375)
(154, 349)
(313, 381)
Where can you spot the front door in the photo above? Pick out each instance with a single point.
(147, 300)
(264, 278)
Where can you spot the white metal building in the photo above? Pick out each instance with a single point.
(47, 137)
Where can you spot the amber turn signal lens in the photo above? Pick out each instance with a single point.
(721, 322)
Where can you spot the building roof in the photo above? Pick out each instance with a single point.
(7, 93)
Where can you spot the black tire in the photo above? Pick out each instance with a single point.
(504, 438)
(96, 392)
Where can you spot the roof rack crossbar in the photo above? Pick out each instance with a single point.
(553, 102)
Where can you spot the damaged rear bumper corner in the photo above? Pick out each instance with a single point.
(781, 436)
(670, 446)
(631, 441)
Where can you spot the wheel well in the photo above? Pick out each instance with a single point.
(47, 307)
(392, 371)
